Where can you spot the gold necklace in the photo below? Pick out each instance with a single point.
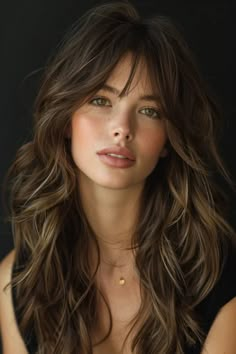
(122, 280)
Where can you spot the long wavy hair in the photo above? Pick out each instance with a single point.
(181, 236)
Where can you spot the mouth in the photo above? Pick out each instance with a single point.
(118, 156)
(118, 152)
(116, 160)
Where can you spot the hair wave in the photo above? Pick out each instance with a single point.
(180, 240)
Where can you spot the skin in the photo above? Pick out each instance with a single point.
(220, 340)
(117, 193)
(111, 194)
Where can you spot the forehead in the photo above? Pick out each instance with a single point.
(121, 73)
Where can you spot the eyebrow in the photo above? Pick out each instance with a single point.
(115, 91)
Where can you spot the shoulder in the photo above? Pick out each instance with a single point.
(11, 339)
(6, 266)
(223, 291)
(221, 337)
(219, 310)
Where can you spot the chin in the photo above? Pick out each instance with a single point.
(115, 181)
(116, 185)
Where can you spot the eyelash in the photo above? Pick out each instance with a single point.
(103, 98)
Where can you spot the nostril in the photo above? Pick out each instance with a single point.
(126, 135)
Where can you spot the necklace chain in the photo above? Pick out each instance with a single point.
(122, 280)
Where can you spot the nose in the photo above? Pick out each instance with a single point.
(122, 127)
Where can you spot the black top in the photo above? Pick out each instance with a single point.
(223, 292)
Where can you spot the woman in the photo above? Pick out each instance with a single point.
(121, 244)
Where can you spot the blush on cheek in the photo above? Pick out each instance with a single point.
(153, 150)
(85, 125)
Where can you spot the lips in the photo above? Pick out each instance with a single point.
(117, 150)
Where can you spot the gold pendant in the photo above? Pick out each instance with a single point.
(122, 281)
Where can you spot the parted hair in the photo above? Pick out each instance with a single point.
(181, 235)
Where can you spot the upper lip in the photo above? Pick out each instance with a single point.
(118, 150)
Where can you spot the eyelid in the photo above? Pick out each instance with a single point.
(98, 97)
(157, 110)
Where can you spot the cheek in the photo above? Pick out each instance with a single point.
(83, 131)
(81, 140)
(153, 142)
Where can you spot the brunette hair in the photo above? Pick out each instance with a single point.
(180, 239)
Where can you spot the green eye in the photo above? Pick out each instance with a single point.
(99, 101)
(152, 113)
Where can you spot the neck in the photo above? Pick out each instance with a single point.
(112, 215)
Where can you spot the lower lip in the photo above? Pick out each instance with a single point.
(116, 161)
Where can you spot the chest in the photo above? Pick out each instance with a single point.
(124, 302)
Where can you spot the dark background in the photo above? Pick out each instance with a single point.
(31, 30)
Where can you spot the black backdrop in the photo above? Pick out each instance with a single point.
(30, 31)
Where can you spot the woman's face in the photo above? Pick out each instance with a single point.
(129, 127)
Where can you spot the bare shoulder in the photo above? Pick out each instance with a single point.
(5, 275)
(6, 266)
(11, 339)
(221, 337)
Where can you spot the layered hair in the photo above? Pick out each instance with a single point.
(181, 236)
